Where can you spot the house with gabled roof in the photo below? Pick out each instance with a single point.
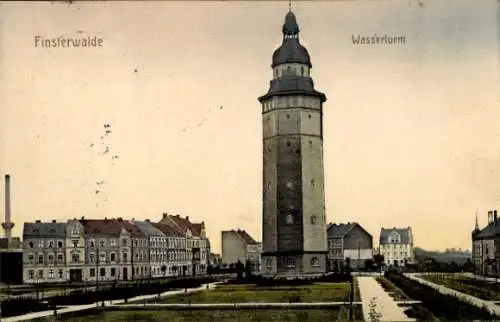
(486, 246)
(173, 252)
(348, 243)
(396, 245)
(238, 245)
(197, 245)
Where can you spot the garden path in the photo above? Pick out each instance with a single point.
(378, 305)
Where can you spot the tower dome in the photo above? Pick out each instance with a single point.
(291, 51)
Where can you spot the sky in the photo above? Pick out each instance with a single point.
(411, 131)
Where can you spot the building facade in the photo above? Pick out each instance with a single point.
(348, 243)
(196, 243)
(396, 245)
(294, 224)
(486, 246)
(44, 252)
(109, 250)
(75, 250)
(238, 245)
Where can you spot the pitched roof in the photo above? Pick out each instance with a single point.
(339, 230)
(404, 233)
(47, 229)
(183, 224)
(248, 239)
(106, 226)
(133, 229)
(490, 231)
(167, 230)
(147, 228)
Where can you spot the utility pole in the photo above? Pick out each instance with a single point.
(97, 267)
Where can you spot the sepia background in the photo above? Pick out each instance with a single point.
(411, 132)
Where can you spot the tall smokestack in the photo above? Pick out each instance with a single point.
(7, 225)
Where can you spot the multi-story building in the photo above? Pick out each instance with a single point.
(113, 250)
(396, 245)
(486, 246)
(238, 245)
(139, 249)
(44, 255)
(75, 250)
(158, 246)
(348, 241)
(196, 243)
(173, 251)
(108, 250)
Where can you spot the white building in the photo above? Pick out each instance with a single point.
(396, 245)
(238, 245)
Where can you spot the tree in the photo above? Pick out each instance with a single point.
(378, 259)
(369, 264)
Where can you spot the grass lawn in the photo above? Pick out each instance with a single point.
(337, 313)
(390, 288)
(485, 290)
(321, 292)
(416, 311)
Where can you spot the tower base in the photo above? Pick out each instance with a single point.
(294, 265)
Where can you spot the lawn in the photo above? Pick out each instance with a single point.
(485, 290)
(337, 313)
(390, 288)
(321, 292)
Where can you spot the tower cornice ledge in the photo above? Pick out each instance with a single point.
(313, 93)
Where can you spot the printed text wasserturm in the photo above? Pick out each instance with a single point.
(378, 40)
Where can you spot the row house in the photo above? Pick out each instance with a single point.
(44, 252)
(486, 246)
(348, 241)
(197, 245)
(139, 250)
(107, 250)
(97, 250)
(173, 253)
(396, 246)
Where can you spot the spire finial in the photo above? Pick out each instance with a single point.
(289, 5)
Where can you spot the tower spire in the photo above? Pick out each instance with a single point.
(290, 5)
(477, 223)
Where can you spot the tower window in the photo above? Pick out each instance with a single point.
(302, 70)
(313, 220)
(289, 219)
(315, 261)
(310, 143)
(309, 116)
(288, 116)
(289, 70)
(312, 183)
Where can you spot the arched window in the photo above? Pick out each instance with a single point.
(302, 70)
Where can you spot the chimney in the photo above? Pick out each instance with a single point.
(187, 218)
(7, 225)
(120, 219)
(490, 215)
(495, 216)
(147, 220)
(164, 215)
(37, 221)
(53, 221)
